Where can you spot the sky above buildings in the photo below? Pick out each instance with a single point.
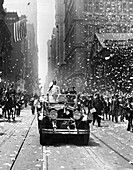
(45, 20)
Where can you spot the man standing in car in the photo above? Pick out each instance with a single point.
(53, 90)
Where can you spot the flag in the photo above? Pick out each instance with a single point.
(20, 30)
(14, 32)
(17, 38)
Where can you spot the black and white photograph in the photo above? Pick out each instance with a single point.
(66, 84)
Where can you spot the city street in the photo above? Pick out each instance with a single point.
(110, 147)
(71, 62)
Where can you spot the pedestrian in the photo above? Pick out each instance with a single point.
(115, 108)
(98, 105)
(130, 115)
(104, 107)
(121, 110)
(32, 105)
(107, 108)
(18, 106)
(10, 107)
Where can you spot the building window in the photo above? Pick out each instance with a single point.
(1, 61)
(108, 7)
(86, 30)
(101, 7)
(130, 6)
(90, 6)
(119, 5)
(97, 6)
(85, 5)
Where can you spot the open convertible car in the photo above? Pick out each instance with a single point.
(67, 116)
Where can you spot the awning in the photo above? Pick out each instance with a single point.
(121, 39)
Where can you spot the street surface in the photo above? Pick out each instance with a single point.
(110, 148)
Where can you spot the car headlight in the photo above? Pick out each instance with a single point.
(53, 114)
(76, 115)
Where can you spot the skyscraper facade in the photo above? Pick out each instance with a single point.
(84, 18)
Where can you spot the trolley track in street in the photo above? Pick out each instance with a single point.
(45, 158)
(103, 165)
(9, 134)
(111, 148)
(21, 146)
(88, 151)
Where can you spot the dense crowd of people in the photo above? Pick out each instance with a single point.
(114, 107)
(11, 102)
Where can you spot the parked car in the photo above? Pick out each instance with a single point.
(63, 117)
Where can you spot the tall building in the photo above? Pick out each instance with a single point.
(29, 47)
(17, 27)
(110, 22)
(80, 26)
(60, 30)
(25, 7)
(32, 16)
(32, 83)
(5, 48)
(50, 71)
(52, 59)
(60, 36)
(76, 44)
(32, 32)
(83, 19)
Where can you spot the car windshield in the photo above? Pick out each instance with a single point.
(63, 98)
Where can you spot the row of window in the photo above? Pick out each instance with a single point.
(10, 18)
(111, 5)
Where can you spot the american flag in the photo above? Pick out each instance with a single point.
(20, 30)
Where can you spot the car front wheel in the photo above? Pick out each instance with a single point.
(86, 139)
(42, 138)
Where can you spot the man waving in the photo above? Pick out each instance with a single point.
(53, 90)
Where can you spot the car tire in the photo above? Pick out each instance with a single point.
(42, 139)
(86, 139)
(39, 122)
